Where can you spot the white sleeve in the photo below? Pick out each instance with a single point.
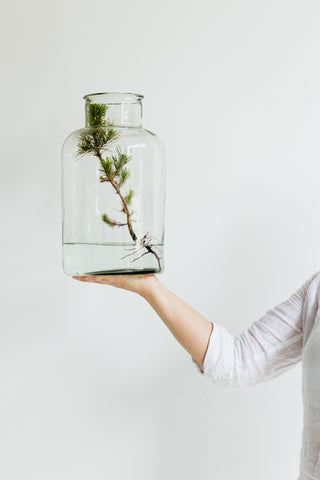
(268, 348)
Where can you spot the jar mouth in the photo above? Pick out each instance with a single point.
(114, 98)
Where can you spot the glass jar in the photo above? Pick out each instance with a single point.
(113, 191)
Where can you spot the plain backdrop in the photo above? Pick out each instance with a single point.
(92, 384)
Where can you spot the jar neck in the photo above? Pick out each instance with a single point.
(123, 109)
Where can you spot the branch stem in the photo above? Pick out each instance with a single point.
(125, 205)
(126, 208)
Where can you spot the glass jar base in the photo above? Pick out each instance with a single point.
(124, 272)
(111, 259)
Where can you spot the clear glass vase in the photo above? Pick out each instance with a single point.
(113, 191)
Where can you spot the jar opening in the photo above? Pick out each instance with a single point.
(123, 109)
(115, 98)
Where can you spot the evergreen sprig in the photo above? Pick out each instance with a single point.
(100, 133)
(110, 222)
(114, 166)
(113, 169)
(96, 115)
(107, 169)
(128, 197)
(97, 138)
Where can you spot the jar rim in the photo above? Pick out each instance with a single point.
(114, 97)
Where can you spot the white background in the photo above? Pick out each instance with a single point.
(92, 384)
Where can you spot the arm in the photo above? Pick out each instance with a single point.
(269, 347)
(188, 326)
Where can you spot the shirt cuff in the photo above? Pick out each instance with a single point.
(218, 361)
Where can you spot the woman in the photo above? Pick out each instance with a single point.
(283, 336)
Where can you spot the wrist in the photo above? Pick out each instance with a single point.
(149, 284)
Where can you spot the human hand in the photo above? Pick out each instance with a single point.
(135, 283)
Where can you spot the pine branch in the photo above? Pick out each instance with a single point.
(101, 132)
(97, 138)
(115, 173)
(120, 160)
(96, 114)
(123, 176)
(106, 169)
(128, 197)
(125, 209)
(112, 223)
(109, 168)
(94, 140)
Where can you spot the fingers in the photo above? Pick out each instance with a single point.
(104, 279)
(133, 283)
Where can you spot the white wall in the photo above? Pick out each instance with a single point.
(92, 383)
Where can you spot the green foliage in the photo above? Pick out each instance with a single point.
(113, 167)
(108, 220)
(96, 113)
(100, 134)
(114, 171)
(106, 169)
(120, 160)
(128, 197)
(94, 140)
(112, 223)
(123, 176)
(112, 134)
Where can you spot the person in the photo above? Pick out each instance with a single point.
(285, 335)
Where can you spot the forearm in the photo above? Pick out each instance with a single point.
(187, 325)
(190, 328)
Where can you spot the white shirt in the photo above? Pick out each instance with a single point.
(282, 337)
